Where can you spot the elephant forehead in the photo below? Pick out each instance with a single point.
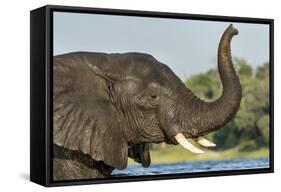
(131, 84)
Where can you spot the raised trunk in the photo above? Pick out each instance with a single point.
(211, 116)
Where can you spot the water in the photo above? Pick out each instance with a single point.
(191, 167)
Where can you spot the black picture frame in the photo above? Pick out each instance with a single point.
(41, 54)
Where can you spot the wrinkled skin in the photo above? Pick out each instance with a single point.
(108, 107)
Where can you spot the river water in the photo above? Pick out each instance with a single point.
(196, 166)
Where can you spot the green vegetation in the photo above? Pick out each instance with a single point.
(178, 154)
(172, 154)
(247, 135)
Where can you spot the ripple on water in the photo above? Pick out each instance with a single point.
(191, 167)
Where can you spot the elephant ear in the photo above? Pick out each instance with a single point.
(140, 153)
(84, 117)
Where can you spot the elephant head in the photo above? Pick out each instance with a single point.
(110, 106)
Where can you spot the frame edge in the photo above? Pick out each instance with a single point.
(38, 127)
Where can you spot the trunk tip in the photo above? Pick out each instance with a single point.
(232, 30)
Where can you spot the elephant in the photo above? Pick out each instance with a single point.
(111, 106)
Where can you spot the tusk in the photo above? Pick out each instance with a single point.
(186, 144)
(205, 142)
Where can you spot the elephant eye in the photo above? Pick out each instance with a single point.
(147, 101)
(153, 96)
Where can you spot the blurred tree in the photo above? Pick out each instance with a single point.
(243, 68)
(263, 71)
(207, 85)
(263, 127)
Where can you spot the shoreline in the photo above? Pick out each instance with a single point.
(177, 155)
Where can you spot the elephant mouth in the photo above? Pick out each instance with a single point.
(186, 144)
(178, 136)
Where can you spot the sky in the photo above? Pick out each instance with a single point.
(188, 47)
